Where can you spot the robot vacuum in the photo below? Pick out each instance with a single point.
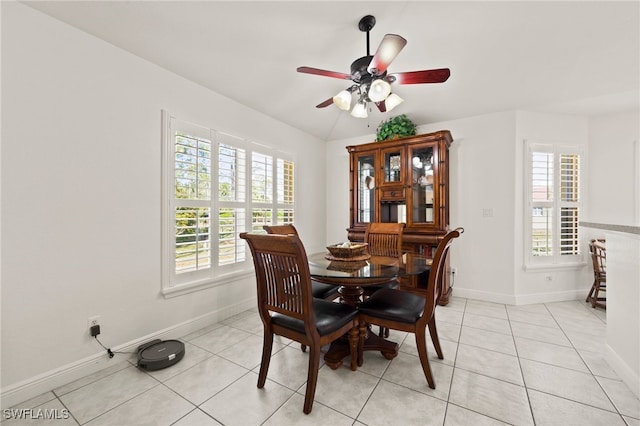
(159, 354)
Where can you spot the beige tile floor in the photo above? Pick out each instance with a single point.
(523, 365)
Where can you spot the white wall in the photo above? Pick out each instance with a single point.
(623, 307)
(337, 161)
(614, 192)
(481, 178)
(81, 147)
(613, 184)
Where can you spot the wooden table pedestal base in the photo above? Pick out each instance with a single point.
(340, 349)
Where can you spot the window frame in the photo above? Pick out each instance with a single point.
(555, 261)
(173, 283)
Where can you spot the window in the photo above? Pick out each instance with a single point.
(207, 176)
(553, 205)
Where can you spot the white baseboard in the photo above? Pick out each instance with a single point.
(629, 377)
(560, 296)
(526, 299)
(46, 382)
(485, 296)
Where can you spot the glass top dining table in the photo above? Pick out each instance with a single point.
(351, 276)
(370, 271)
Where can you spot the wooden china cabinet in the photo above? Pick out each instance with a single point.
(404, 180)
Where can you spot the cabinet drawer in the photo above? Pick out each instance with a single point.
(396, 193)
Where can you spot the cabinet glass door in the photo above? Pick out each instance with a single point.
(423, 184)
(366, 188)
(392, 165)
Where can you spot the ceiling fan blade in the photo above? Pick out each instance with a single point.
(388, 49)
(325, 103)
(317, 71)
(381, 106)
(418, 77)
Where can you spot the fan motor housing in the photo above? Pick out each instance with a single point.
(359, 68)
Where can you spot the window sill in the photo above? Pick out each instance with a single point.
(182, 289)
(555, 267)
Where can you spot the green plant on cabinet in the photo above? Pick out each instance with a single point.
(398, 126)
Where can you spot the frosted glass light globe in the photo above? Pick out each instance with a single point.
(360, 110)
(343, 100)
(393, 101)
(379, 90)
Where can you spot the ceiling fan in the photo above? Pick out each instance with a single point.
(369, 74)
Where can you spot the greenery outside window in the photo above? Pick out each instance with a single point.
(207, 175)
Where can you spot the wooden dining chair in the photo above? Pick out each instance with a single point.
(598, 251)
(287, 307)
(383, 239)
(410, 312)
(319, 290)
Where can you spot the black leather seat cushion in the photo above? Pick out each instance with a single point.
(329, 317)
(323, 291)
(394, 305)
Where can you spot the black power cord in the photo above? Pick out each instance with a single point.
(95, 331)
(109, 352)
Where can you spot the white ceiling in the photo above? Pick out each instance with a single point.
(566, 57)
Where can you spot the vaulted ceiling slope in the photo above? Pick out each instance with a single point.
(566, 57)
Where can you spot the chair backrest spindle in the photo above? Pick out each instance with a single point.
(384, 239)
(599, 258)
(282, 275)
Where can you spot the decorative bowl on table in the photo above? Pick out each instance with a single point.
(348, 251)
(346, 266)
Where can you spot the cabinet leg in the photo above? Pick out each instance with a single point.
(444, 297)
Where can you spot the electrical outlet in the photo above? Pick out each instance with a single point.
(91, 321)
(487, 212)
(453, 270)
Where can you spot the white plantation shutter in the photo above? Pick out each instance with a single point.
(569, 203)
(192, 239)
(261, 178)
(190, 199)
(553, 204)
(231, 222)
(272, 203)
(232, 199)
(285, 192)
(207, 178)
(542, 203)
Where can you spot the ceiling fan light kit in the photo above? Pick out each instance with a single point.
(393, 101)
(379, 90)
(343, 100)
(370, 78)
(360, 110)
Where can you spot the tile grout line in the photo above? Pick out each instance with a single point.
(588, 368)
(378, 382)
(613, 404)
(524, 381)
(455, 359)
(455, 367)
